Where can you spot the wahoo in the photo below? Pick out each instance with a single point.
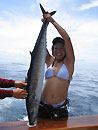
(35, 73)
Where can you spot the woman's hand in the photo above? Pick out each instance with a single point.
(47, 17)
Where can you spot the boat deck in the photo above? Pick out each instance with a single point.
(72, 123)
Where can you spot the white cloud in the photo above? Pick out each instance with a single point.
(85, 40)
(20, 36)
(51, 5)
(94, 3)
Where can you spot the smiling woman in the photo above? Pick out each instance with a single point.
(60, 68)
(58, 49)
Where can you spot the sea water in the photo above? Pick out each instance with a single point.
(83, 90)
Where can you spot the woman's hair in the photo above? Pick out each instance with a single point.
(57, 40)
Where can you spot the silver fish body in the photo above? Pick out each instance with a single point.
(36, 75)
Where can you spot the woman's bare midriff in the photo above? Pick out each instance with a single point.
(55, 90)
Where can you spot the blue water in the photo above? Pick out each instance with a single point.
(83, 90)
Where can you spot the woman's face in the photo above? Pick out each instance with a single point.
(59, 51)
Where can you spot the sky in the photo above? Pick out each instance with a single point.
(20, 23)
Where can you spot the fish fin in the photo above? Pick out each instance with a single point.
(30, 53)
(43, 10)
(52, 13)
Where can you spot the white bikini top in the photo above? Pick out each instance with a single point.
(62, 73)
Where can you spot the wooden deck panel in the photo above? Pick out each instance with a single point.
(72, 123)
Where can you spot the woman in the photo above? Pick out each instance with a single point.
(60, 68)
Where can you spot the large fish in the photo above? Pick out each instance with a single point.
(35, 73)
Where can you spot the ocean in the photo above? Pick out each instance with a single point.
(83, 90)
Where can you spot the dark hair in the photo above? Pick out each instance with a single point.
(57, 40)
